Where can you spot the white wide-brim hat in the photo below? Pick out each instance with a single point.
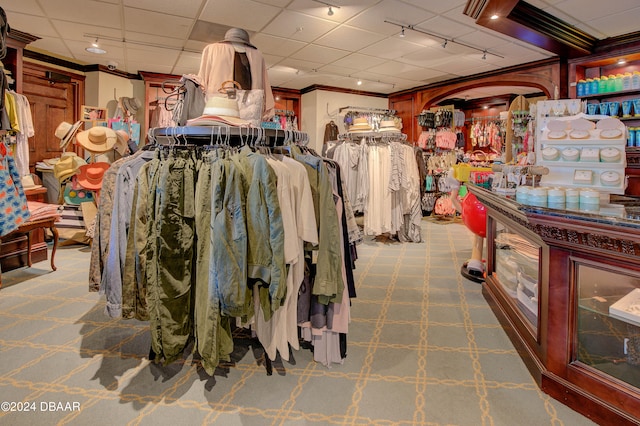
(97, 139)
(66, 131)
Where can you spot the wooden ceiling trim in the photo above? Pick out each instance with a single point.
(524, 22)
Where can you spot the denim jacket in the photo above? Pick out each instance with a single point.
(265, 245)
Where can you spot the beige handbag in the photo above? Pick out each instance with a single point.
(250, 102)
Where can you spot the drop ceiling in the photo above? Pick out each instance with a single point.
(302, 44)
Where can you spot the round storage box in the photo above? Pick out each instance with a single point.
(610, 178)
(571, 154)
(555, 196)
(550, 153)
(538, 196)
(610, 155)
(522, 194)
(572, 196)
(589, 197)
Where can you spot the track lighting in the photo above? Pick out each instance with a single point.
(444, 39)
(330, 12)
(95, 48)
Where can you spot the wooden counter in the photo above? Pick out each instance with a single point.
(568, 333)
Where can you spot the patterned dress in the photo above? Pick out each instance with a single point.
(13, 203)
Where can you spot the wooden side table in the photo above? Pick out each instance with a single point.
(27, 227)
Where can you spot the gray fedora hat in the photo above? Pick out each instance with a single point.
(238, 35)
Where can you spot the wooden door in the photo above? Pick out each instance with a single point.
(51, 103)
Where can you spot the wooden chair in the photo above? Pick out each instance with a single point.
(27, 227)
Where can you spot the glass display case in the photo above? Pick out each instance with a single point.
(608, 321)
(516, 268)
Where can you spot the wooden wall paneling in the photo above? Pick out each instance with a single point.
(405, 108)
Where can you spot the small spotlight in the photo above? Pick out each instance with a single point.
(444, 44)
(485, 107)
(402, 32)
(95, 43)
(494, 16)
(622, 61)
(330, 12)
(359, 83)
(484, 55)
(95, 48)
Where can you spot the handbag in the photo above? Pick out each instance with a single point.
(75, 194)
(250, 102)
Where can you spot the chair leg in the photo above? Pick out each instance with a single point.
(54, 231)
(29, 248)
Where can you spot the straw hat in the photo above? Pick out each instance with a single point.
(28, 183)
(388, 126)
(219, 111)
(238, 35)
(65, 132)
(122, 142)
(97, 139)
(67, 166)
(90, 176)
(360, 125)
(131, 105)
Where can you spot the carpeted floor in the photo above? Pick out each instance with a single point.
(423, 348)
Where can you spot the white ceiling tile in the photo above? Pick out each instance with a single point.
(426, 57)
(297, 64)
(480, 40)
(595, 9)
(321, 54)
(154, 40)
(349, 38)
(279, 3)
(388, 10)
(456, 14)
(247, 14)
(437, 6)
(407, 71)
(35, 25)
(391, 48)
(617, 24)
(50, 44)
(185, 8)
(77, 31)
(152, 55)
(358, 61)
(276, 45)
(195, 45)
(445, 27)
(336, 70)
(85, 11)
(271, 60)
(298, 26)
(340, 14)
(134, 67)
(29, 7)
(156, 23)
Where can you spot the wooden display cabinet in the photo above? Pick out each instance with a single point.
(579, 348)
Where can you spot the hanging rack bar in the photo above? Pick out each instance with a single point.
(369, 109)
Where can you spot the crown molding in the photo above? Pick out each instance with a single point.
(342, 90)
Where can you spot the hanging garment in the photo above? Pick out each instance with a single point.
(13, 202)
(330, 132)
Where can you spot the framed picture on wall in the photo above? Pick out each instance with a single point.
(90, 113)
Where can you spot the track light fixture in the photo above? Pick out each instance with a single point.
(445, 40)
(330, 12)
(402, 32)
(444, 43)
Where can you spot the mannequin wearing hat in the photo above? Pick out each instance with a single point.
(235, 58)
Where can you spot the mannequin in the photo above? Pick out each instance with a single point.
(235, 58)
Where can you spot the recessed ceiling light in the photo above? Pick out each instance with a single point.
(621, 61)
(494, 16)
(486, 107)
(359, 83)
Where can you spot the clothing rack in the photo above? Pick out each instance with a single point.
(227, 135)
(369, 109)
(286, 112)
